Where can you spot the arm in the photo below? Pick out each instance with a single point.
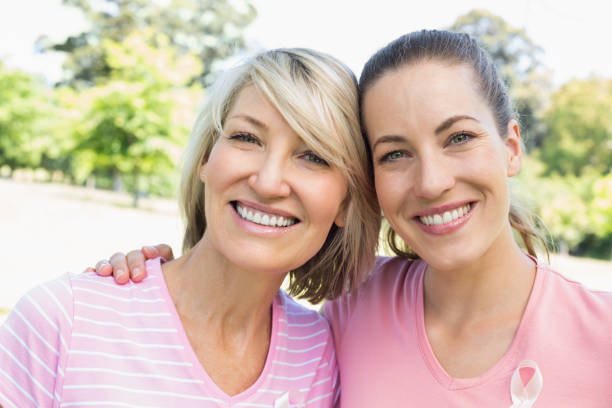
(131, 266)
(34, 343)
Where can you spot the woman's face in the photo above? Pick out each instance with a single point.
(440, 164)
(270, 201)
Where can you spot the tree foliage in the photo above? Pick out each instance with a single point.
(133, 123)
(24, 115)
(212, 29)
(580, 128)
(516, 56)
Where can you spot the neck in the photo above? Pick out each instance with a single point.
(209, 289)
(499, 282)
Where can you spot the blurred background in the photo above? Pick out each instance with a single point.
(97, 99)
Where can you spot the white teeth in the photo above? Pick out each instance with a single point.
(263, 218)
(445, 217)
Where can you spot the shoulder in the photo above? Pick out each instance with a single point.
(391, 279)
(34, 343)
(306, 352)
(50, 302)
(91, 287)
(562, 289)
(299, 317)
(302, 333)
(304, 329)
(565, 318)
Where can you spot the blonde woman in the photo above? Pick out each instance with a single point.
(275, 182)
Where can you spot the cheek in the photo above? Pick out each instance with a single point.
(388, 190)
(489, 167)
(323, 197)
(224, 166)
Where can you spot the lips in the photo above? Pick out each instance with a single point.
(445, 217)
(265, 218)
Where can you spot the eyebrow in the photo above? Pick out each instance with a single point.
(388, 139)
(442, 127)
(450, 121)
(250, 119)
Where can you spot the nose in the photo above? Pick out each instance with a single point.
(433, 177)
(269, 178)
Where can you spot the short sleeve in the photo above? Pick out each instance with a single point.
(33, 343)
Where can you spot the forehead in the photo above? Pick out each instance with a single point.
(422, 95)
(252, 102)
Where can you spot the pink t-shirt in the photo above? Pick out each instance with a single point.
(385, 358)
(81, 340)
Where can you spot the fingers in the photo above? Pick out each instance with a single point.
(136, 265)
(120, 268)
(103, 268)
(165, 251)
(150, 252)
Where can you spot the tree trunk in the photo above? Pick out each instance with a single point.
(136, 187)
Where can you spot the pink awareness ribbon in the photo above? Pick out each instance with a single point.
(526, 384)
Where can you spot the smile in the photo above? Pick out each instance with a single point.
(263, 218)
(445, 217)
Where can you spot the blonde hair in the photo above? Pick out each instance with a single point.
(317, 96)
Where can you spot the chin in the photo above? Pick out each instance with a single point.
(444, 262)
(261, 265)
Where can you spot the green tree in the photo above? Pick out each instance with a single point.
(516, 56)
(212, 29)
(580, 128)
(577, 210)
(133, 126)
(24, 115)
(601, 207)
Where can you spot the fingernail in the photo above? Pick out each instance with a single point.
(136, 272)
(119, 273)
(149, 248)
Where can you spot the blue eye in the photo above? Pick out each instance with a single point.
(244, 137)
(392, 156)
(311, 157)
(460, 138)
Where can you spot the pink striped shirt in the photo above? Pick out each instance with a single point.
(81, 340)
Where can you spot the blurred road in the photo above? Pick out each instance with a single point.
(49, 229)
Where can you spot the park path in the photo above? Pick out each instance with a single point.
(49, 229)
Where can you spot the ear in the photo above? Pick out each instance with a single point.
(514, 148)
(340, 219)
